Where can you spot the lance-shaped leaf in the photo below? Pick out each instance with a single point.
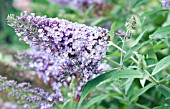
(111, 75)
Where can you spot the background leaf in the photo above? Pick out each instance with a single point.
(162, 107)
(112, 30)
(164, 90)
(147, 14)
(162, 32)
(101, 20)
(138, 2)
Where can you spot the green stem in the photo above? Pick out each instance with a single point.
(113, 62)
(157, 82)
(124, 52)
(151, 65)
(116, 89)
(152, 78)
(164, 87)
(121, 56)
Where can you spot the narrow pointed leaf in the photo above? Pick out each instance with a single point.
(111, 75)
(147, 14)
(93, 101)
(164, 90)
(134, 49)
(139, 37)
(142, 90)
(112, 30)
(128, 84)
(166, 79)
(65, 105)
(162, 107)
(101, 20)
(162, 32)
(162, 64)
(143, 80)
(138, 2)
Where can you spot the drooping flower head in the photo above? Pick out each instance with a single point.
(72, 48)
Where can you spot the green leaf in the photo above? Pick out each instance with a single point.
(158, 47)
(147, 14)
(140, 36)
(111, 54)
(101, 20)
(142, 90)
(162, 64)
(89, 10)
(143, 80)
(167, 78)
(93, 101)
(128, 84)
(164, 90)
(134, 49)
(138, 2)
(161, 32)
(112, 30)
(65, 105)
(111, 75)
(162, 107)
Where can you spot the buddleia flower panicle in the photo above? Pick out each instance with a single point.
(28, 96)
(75, 49)
(165, 3)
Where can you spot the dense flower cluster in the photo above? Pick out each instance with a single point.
(8, 105)
(165, 3)
(28, 96)
(46, 69)
(70, 48)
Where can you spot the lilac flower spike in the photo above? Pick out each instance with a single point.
(27, 96)
(165, 3)
(69, 48)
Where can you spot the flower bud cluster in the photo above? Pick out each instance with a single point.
(130, 25)
(122, 34)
